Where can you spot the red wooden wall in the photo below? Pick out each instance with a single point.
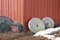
(12, 9)
(23, 10)
(42, 8)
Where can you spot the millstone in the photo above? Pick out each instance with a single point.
(49, 22)
(35, 25)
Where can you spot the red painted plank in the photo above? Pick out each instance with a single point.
(19, 10)
(22, 5)
(0, 7)
(10, 8)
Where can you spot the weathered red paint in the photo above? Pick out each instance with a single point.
(23, 10)
(41, 8)
(12, 9)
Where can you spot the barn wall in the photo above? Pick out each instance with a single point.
(12, 9)
(41, 9)
(23, 10)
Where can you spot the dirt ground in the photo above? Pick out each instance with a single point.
(23, 36)
(20, 36)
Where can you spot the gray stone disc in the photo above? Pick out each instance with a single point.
(49, 22)
(35, 25)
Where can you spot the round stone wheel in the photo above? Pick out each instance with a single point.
(49, 22)
(35, 25)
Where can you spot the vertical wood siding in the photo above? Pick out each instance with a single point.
(23, 10)
(12, 9)
(41, 9)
